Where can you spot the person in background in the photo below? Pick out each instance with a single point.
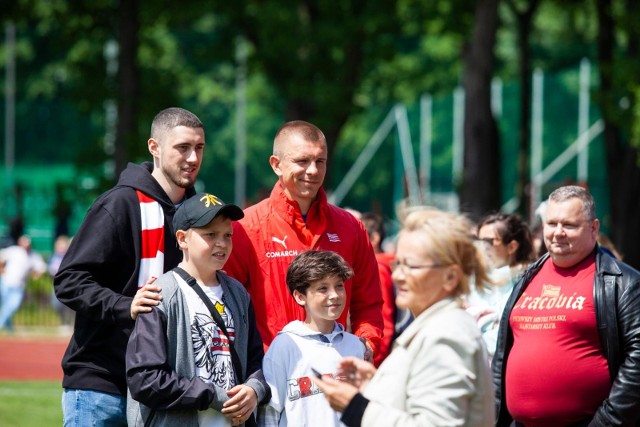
(536, 227)
(19, 262)
(607, 245)
(316, 281)
(125, 242)
(181, 363)
(568, 350)
(438, 371)
(60, 247)
(376, 232)
(297, 217)
(356, 213)
(506, 241)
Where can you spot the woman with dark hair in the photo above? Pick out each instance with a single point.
(507, 244)
(507, 241)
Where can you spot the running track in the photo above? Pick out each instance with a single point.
(31, 358)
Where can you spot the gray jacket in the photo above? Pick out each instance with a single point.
(160, 360)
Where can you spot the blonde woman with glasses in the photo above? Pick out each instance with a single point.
(437, 373)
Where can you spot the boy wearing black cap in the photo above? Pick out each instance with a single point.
(195, 359)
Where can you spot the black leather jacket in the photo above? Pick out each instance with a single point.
(617, 304)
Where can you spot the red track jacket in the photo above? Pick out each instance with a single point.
(273, 232)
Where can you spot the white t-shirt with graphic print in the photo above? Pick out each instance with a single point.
(210, 346)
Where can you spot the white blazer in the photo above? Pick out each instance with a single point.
(437, 374)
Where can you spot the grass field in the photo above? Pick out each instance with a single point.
(30, 403)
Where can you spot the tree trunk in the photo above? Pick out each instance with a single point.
(622, 158)
(524, 21)
(128, 82)
(481, 183)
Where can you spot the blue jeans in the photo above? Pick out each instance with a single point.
(11, 299)
(89, 408)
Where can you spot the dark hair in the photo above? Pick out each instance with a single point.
(311, 266)
(374, 224)
(170, 118)
(512, 227)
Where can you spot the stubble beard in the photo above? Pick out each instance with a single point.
(179, 181)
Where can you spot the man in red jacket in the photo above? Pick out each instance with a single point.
(374, 224)
(294, 218)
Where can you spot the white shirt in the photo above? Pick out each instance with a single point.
(210, 346)
(18, 264)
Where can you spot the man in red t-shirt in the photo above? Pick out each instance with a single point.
(569, 345)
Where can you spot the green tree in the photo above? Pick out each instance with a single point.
(619, 62)
(315, 53)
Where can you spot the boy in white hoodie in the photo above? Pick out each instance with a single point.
(310, 347)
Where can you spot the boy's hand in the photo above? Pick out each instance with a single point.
(147, 296)
(368, 351)
(243, 400)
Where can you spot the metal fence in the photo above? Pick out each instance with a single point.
(40, 308)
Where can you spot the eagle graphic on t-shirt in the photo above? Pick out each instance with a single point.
(211, 351)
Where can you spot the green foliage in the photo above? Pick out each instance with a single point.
(341, 65)
(315, 54)
(635, 130)
(30, 403)
(428, 49)
(42, 286)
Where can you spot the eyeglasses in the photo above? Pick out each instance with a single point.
(407, 268)
(489, 241)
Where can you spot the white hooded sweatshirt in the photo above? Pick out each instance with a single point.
(295, 400)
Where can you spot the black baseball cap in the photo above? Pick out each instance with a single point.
(199, 210)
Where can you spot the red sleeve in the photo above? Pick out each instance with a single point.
(235, 267)
(366, 299)
(388, 312)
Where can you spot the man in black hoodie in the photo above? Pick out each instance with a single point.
(125, 241)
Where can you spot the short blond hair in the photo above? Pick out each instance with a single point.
(449, 242)
(308, 132)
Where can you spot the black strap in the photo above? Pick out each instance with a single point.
(191, 281)
(150, 418)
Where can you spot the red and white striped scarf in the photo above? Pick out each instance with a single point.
(152, 260)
